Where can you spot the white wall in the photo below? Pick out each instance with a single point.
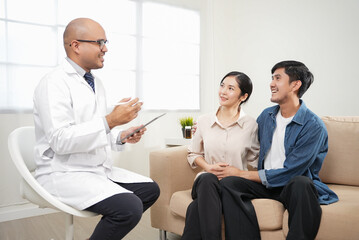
(249, 36)
(252, 36)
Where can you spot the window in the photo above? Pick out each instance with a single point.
(153, 50)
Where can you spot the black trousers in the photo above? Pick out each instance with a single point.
(204, 214)
(122, 212)
(299, 197)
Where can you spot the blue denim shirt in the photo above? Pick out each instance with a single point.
(306, 145)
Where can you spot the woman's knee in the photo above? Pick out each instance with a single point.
(207, 179)
(205, 184)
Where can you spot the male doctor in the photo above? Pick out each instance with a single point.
(74, 137)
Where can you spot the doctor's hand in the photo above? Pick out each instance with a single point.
(124, 112)
(136, 137)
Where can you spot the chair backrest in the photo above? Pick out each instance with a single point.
(21, 144)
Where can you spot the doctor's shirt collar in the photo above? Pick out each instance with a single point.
(77, 68)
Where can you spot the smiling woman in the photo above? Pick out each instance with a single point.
(224, 144)
(148, 42)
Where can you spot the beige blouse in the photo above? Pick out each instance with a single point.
(236, 145)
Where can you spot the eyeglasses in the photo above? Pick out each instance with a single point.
(100, 42)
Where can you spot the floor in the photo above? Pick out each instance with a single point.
(52, 227)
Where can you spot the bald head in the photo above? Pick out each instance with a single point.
(79, 28)
(81, 38)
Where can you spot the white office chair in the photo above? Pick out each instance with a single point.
(21, 144)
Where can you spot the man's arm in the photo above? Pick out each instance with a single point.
(250, 175)
(233, 171)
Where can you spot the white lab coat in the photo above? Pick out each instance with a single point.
(73, 150)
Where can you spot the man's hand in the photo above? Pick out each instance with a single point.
(229, 171)
(250, 175)
(124, 113)
(233, 171)
(134, 138)
(216, 169)
(222, 170)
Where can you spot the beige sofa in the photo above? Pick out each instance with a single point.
(340, 220)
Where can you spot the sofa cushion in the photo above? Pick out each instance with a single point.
(342, 161)
(180, 201)
(269, 212)
(340, 219)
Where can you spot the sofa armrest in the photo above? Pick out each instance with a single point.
(170, 169)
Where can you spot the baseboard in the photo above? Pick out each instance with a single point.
(25, 210)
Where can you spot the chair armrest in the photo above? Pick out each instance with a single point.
(170, 169)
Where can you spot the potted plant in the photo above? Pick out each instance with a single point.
(185, 121)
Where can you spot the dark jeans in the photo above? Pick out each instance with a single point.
(122, 212)
(299, 197)
(204, 214)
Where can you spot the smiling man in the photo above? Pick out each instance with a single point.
(75, 136)
(293, 144)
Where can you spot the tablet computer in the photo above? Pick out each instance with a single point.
(138, 129)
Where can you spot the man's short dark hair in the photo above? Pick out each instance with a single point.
(296, 71)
